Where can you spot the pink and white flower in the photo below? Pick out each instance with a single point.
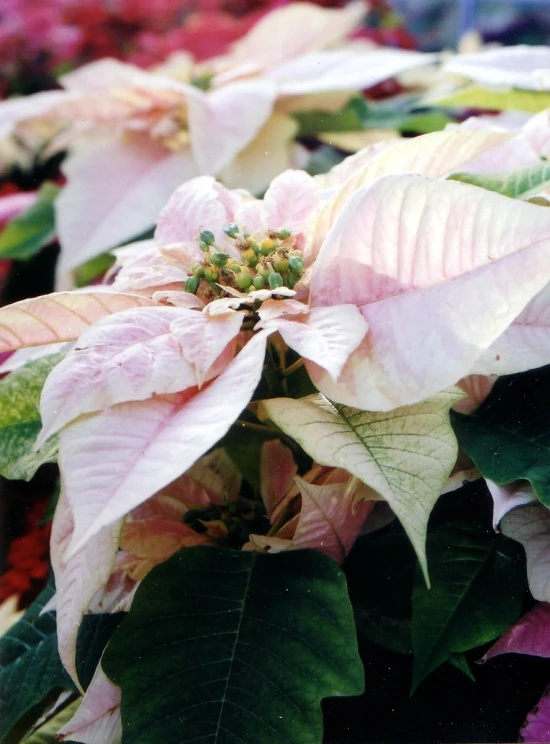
(135, 135)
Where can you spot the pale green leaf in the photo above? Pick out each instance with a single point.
(521, 183)
(45, 734)
(20, 419)
(476, 96)
(405, 455)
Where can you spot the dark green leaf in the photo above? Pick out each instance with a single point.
(244, 446)
(521, 183)
(93, 636)
(30, 668)
(508, 437)
(460, 662)
(20, 419)
(381, 594)
(27, 234)
(467, 604)
(227, 646)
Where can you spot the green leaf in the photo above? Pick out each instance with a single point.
(228, 646)
(490, 99)
(93, 635)
(460, 662)
(20, 419)
(405, 455)
(381, 595)
(323, 159)
(349, 119)
(92, 269)
(244, 446)
(508, 437)
(517, 184)
(27, 234)
(466, 605)
(30, 668)
(45, 734)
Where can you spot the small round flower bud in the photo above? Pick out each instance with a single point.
(211, 273)
(234, 267)
(243, 280)
(296, 264)
(204, 246)
(256, 248)
(249, 257)
(275, 280)
(281, 263)
(198, 271)
(267, 246)
(218, 259)
(192, 284)
(207, 237)
(262, 270)
(283, 234)
(232, 229)
(259, 282)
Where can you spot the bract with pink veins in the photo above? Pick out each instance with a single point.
(440, 271)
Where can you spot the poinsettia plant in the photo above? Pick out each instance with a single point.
(243, 396)
(267, 385)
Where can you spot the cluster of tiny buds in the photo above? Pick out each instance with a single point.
(268, 264)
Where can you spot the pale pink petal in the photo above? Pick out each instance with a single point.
(132, 355)
(204, 337)
(521, 66)
(530, 525)
(331, 518)
(144, 271)
(178, 299)
(78, 577)
(506, 498)
(272, 151)
(439, 270)
(223, 122)
(433, 155)
(59, 317)
(115, 190)
(343, 69)
(15, 110)
(277, 471)
(530, 635)
(298, 28)
(516, 151)
(524, 344)
(97, 720)
(114, 460)
(537, 724)
(327, 336)
(477, 388)
(200, 204)
(103, 74)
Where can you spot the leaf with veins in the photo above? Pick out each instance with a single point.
(405, 455)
